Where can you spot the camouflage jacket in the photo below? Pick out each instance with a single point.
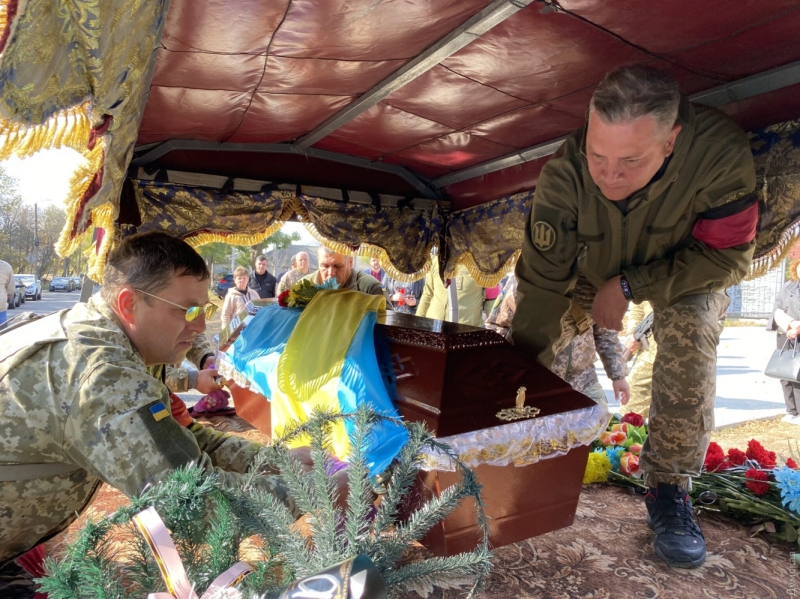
(74, 392)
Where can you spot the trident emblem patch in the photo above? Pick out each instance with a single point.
(544, 236)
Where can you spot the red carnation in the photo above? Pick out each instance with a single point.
(759, 488)
(736, 456)
(756, 452)
(714, 457)
(283, 298)
(633, 418)
(791, 463)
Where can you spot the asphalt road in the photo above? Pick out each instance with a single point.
(51, 301)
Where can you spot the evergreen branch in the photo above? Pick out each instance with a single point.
(263, 514)
(441, 572)
(404, 474)
(359, 498)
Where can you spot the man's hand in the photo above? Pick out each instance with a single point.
(794, 329)
(206, 382)
(622, 391)
(610, 305)
(631, 343)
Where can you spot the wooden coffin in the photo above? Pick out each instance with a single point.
(456, 379)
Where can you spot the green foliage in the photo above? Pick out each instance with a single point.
(208, 523)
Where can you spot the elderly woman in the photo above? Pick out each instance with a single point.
(787, 318)
(238, 296)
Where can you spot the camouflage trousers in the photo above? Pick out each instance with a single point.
(684, 386)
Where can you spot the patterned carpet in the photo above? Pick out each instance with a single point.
(606, 554)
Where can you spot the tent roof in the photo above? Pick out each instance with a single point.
(401, 97)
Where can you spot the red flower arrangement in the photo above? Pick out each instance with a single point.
(715, 458)
(791, 464)
(736, 456)
(283, 299)
(753, 477)
(756, 452)
(633, 418)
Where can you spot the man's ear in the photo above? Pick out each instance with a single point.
(673, 135)
(126, 302)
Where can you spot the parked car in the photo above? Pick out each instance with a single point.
(77, 283)
(62, 284)
(16, 299)
(33, 286)
(222, 285)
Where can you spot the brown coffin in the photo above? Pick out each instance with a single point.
(456, 378)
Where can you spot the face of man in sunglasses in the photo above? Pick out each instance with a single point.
(159, 330)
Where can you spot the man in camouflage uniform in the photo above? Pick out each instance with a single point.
(651, 200)
(80, 407)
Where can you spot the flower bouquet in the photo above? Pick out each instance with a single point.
(744, 484)
(301, 293)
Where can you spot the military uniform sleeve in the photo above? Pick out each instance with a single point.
(723, 236)
(120, 429)
(546, 269)
(609, 349)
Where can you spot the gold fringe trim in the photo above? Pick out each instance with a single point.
(366, 250)
(290, 208)
(78, 184)
(466, 259)
(68, 128)
(772, 259)
(104, 217)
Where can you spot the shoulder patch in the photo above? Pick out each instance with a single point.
(544, 235)
(158, 411)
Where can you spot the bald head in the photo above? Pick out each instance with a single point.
(302, 262)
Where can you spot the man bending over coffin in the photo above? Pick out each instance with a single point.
(340, 267)
(651, 200)
(80, 408)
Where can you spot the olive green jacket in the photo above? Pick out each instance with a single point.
(573, 228)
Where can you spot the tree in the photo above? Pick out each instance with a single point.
(278, 240)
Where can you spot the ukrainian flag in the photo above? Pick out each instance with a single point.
(323, 356)
(159, 411)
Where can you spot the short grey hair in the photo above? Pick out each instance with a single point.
(630, 93)
(325, 251)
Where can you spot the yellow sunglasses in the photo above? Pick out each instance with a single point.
(191, 313)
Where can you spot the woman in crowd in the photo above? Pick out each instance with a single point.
(787, 319)
(238, 296)
(403, 297)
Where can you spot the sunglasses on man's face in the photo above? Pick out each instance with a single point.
(191, 313)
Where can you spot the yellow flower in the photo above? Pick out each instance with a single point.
(597, 468)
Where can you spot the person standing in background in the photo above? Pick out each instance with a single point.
(262, 280)
(7, 287)
(375, 269)
(787, 319)
(435, 297)
(403, 297)
(238, 296)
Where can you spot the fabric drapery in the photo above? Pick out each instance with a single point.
(75, 73)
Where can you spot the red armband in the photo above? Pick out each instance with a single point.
(729, 225)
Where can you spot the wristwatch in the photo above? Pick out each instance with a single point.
(626, 287)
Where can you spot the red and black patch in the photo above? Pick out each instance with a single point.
(729, 225)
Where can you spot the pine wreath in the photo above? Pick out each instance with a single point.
(210, 524)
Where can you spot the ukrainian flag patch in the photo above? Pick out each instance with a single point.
(158, 411)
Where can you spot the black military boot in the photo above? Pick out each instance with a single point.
(679, 541)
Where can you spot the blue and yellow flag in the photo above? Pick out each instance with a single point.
(322, 356)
